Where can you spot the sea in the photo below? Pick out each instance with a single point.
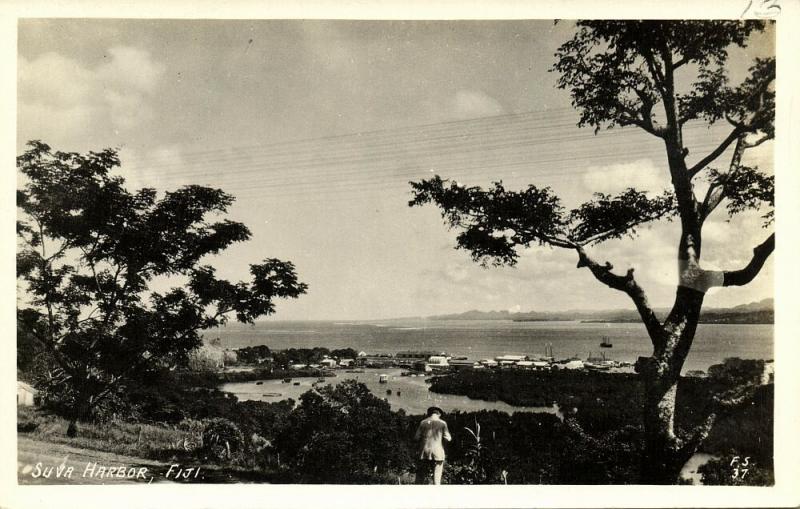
(486, 339)
(476, 340)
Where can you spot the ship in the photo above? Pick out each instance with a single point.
(606, 343)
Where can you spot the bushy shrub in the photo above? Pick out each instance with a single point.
(222, 439)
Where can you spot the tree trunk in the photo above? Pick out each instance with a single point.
(79, 413)
(665, 453)
(662, 460)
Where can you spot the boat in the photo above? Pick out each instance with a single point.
(606, 343)
(297, 383)
(389, 392)
(259, 383)
(287, 380)
(383, 379)
(598, 363)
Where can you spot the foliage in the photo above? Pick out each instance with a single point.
(89, 249)
(253, 355)
(343, 434)
(632, 73)
(616, 71)
(222, 439)
(495, 220)
(723, 472)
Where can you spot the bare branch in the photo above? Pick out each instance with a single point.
(733, 136)
(744, 275)
(716, 191)
(625, 284)
(758, 142)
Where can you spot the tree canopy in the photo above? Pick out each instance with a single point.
(89, 251)
(656, 76)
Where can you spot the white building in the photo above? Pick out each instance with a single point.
(328, 363)
(26, 395)
(437, 361)
(510, 358)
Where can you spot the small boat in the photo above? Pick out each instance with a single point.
(297, 383)
(606, 343)
(389, 392)
(383, 379)
(598, 363)
(287, 380)
(272, 394)
(259, 383)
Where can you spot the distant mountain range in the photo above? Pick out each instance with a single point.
(754, 312)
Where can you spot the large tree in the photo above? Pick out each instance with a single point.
(89, 251)
(655, 76)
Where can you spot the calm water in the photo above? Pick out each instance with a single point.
(407, 392)
(476, 340)
(481, 339)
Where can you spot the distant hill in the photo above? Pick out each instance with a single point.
(754, 312)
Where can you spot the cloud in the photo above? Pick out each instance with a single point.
(474, 103)
(58, 96)
(641, 174)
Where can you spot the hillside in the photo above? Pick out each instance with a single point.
(754, 312)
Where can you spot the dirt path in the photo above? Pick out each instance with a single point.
(41, 462)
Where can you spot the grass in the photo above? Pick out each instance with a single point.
(143, 440)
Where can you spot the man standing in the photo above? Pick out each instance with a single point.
(429, 436)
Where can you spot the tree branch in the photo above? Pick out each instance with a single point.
(760, 255)
(758, 142)
(733, 136)
(625, 284)
(716, 191)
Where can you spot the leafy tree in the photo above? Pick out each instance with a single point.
(343, 434)
(628, 73)
(89, 250)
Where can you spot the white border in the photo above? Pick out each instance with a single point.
(785, 493)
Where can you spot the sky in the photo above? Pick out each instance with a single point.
(318, 126)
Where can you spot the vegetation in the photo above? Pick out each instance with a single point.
(344, 434)
(629, 74)
(89, 250)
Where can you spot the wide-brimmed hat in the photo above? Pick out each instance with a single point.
(433, 409)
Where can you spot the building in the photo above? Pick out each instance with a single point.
(438, 363)
(346, 363)
(328, 363)
(524, 364)
(26, 394)
(409, 357)
(489, 363)
(510, 359)
(462, 364)
(768, 375)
